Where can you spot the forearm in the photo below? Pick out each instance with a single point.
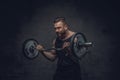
(50, 55)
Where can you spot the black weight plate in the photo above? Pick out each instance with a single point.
(29, 48)
(78, 50)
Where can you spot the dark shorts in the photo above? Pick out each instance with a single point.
(71, 72)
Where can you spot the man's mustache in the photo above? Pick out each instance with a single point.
(60, 33)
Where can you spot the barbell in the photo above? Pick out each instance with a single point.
(78, 47)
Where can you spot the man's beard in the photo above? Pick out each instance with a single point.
(61, 34)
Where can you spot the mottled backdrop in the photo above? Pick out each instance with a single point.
(24, 19)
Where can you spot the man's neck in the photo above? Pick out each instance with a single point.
(67, 35)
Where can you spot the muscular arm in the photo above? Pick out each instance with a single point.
(50, 55)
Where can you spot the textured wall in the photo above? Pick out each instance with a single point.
(33, 19)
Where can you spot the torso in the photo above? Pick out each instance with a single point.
(67, 68)
(63, 57)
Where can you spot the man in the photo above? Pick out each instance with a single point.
(67, 68)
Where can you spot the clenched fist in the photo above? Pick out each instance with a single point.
(40, 47)
(66, 45)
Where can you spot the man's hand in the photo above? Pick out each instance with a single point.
(66, 48)
(66, 45)
(40, 48)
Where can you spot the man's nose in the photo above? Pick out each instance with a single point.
(56, 30)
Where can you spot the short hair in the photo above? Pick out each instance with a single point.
(58, 19)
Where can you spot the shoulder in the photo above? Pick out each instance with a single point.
(80, 36)
(54, 40)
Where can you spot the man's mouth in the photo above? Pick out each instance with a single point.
(58, 34)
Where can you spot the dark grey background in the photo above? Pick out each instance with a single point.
(23, 19)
